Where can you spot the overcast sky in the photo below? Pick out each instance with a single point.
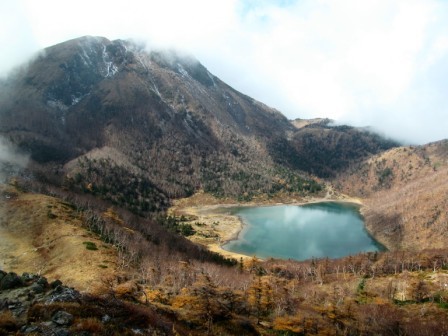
(380, 63)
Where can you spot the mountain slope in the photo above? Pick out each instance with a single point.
(44, 235)
(325, 149)
(161, 117)
(406, 195)
(138, 128)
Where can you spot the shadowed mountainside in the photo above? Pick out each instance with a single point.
(325, 149)
(138, 127)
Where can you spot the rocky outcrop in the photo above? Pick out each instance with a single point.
(18, 295)
(31, 305)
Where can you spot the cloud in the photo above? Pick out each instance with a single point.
(11, 160)
(380, 63)
(364, 63)
(16, 36)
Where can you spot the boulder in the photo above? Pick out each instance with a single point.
(30, 329)
(61, 332)
(37, 288)
(62, 318)
(63, 294)
(10, 280)
(43, 281)
(27, 277)
(55, 284)
(2, 274)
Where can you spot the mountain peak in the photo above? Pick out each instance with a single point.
(106, 108)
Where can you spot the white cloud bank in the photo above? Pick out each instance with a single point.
(382, 63)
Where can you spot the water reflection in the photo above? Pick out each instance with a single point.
(302, 232)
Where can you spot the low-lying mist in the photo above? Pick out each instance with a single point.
(12, 160)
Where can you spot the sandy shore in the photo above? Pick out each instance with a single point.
(215, 224)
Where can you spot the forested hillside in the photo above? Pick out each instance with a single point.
(405, 192)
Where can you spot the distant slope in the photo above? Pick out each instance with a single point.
(406, 193)
(324, 149)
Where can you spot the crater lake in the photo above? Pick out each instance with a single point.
(316, 230)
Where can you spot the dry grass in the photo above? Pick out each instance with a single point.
(89, 311)
(44, 312)
(43, 235)
(91, 325)
(8, 322)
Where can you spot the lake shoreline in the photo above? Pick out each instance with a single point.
(218, 227)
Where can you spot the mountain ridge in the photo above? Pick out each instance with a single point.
(176, 127)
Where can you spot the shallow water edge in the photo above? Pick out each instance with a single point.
(312, 230)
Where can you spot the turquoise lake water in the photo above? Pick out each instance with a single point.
(317, 230)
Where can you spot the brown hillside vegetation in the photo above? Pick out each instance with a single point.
(393, 293)
(44, 235)
(405, 191)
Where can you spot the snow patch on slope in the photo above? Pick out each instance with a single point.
(182, 71)
(110, 68)
(85, 56)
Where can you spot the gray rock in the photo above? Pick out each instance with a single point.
(27, 277)
(61, 332)
(63, 294)
(62, 318)
(37, 288)
(30, 329)
(55, 284)
(10, 280)
(43, 281)
(85, 333)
